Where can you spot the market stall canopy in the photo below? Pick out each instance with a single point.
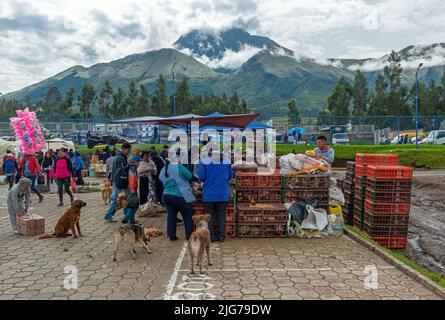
(6, 145)
(226, 121)
(58, 143)
(252, 125)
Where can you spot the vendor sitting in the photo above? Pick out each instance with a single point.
(323, 152)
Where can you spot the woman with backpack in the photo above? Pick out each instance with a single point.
(63, 171)
(177, 196)
(30, 168)
(47, 165)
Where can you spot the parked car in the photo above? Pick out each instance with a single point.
(434, 137)
(340, 138)
(410, 136)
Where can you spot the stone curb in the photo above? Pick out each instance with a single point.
(398, 264)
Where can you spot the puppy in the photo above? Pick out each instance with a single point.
(130, 234)
(152, 232)
(200, 241)
(69, 221)
(121, 201)
(149, 208)
(106, 192)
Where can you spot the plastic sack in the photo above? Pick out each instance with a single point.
(336, 197)
(298, 210)
(316, 220)
(292, 163)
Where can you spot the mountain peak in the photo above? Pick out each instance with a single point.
(215, 45)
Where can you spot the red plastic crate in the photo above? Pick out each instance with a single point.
(258, 194)
(389, 185)
(392, 242)
(230, 213)
(262, 230)
(295, 195)
(276, 213)
(388, 196)
(305, 182)
(230, 231)
(255, 180)
(361, 170)
(377, 231)
(376, 159)
(385, 219)
(389, 172)
(387, 208)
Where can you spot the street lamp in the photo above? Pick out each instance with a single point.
(417, 107)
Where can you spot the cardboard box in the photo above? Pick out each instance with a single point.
(31, 225)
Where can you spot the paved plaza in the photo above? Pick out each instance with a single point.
(288, 268)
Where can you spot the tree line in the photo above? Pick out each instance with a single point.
(134, 102)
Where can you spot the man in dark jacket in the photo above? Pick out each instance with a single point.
(120, 161)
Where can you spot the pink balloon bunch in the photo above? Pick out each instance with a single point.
(29, 131)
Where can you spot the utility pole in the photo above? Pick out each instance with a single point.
(417, 107)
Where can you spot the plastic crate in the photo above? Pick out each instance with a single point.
(255, 180)
(357, 222)
(387, 208)
(359, 202)
(392, 242)
(359, 192)
(389, 172)
(389, 185)
(262, 230)
(295, 195)
(388, 196)
(350, 166)
(360, 170)
(350, 176)
(258, 194)
(305, 181)
(339, 184)
(385, 220)
(349, 196)
(376, 159)
(277, 213)
(348, 186)
(360, 181)
(244, 168)
(198, 209)
(377, 231)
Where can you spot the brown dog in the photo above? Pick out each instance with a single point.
(152, 232)
(106, 192)
(69, 221)
(121, 201)
(200, 241)
(131, 234)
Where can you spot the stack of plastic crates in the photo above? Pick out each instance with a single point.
(259, 211)
(349, 192)
(387, 205)
(306, 187)
(362, 161)
(230, 231)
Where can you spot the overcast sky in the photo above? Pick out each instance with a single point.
(43, 37)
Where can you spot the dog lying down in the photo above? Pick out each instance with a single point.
(150, 208)
(69, 221)
(200, 241)
(131, 234)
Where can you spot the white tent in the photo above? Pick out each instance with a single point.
(58, 143)
(5, 145)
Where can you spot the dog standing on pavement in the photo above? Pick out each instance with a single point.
(131, 234)
(69, 221)
(200, 241)
(106, 192)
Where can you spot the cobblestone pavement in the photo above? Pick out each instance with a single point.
(330, 268)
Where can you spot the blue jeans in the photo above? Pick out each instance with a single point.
(33, 185)
(175, 204)
(217, 210)
(113, 203)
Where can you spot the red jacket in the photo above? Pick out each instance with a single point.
(33, 166)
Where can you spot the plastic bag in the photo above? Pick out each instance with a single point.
(336, 197)
(298, 211)
(316, 220)
(292, 163)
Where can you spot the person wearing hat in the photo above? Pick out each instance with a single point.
(20, 193)
(78, 167)
(132, 190)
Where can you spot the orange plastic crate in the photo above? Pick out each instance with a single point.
(377, 159)
(360, 170)
(391, 242)
(386, 208)
(390, 172)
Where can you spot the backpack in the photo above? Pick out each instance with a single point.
(122, 177)
(9, 166)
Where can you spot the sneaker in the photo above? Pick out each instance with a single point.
(40, 198)
(174, 238)
(124, 221)
(60, 205)
(110, 220)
